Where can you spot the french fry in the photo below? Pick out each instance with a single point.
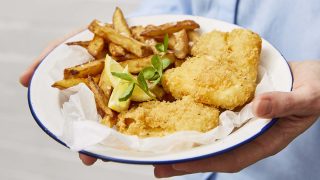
(136, 33)
(121, 26)
(67, 83)
(152, 44)
(119, 23)
(127, 56)
(96, 46)
(116, 50)
(130, 44)
(105, 83)
(84, 44)
(171, 42)
(193, 36)
(158, 91)
(178, 62)
(108, 25)
(91, 68)
(101, 99)
(102, 54)
(137, 65)
(169, 28)
(181, 47)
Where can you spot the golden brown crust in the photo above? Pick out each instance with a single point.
(155, 118)
(100, 98)
(119, 23)
(169, 28)
(181, 47)
(96, 46)
(130, 44)
(91, 68)
(222, 74)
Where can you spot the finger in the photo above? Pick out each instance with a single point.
(87, 160)
(265, 145)
(27, 75)
(280, 104)
(162, 171)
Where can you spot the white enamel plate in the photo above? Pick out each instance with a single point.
(45, 106)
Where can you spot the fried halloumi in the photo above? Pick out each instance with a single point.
(155, 118)
(223, 72)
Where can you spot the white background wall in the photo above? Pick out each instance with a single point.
(26, 27)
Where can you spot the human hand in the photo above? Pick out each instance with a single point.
(296, 110)
(27, 75)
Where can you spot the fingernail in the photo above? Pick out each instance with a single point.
(265, 107)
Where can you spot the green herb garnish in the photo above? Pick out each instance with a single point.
(163, 47)
(124, 76)
(152, 74)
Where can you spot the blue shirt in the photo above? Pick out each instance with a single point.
(293, 26)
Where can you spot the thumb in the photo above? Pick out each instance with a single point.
(278, 104)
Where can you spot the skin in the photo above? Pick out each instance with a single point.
(296, 110)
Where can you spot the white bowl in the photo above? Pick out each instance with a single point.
(45, 106)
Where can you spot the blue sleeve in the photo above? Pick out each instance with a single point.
(148, 7)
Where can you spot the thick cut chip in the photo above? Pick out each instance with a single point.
(101, 99)
(121, 26)
(91, 68)
(127, 56)
(96, 46)
(181, 46)
(171, 42)
(193, 37)
(84, 44)
(169, 28)
(119, 23)
(67, 83)
(104, 82)
(130, 44)
(116, 50)
(136, 33)
(136, 65)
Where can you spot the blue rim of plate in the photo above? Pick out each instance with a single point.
(102, 157)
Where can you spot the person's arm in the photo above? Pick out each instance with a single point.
(26, 76)
(296, 110)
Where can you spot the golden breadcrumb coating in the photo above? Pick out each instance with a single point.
(223, 72)
(155, 118)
